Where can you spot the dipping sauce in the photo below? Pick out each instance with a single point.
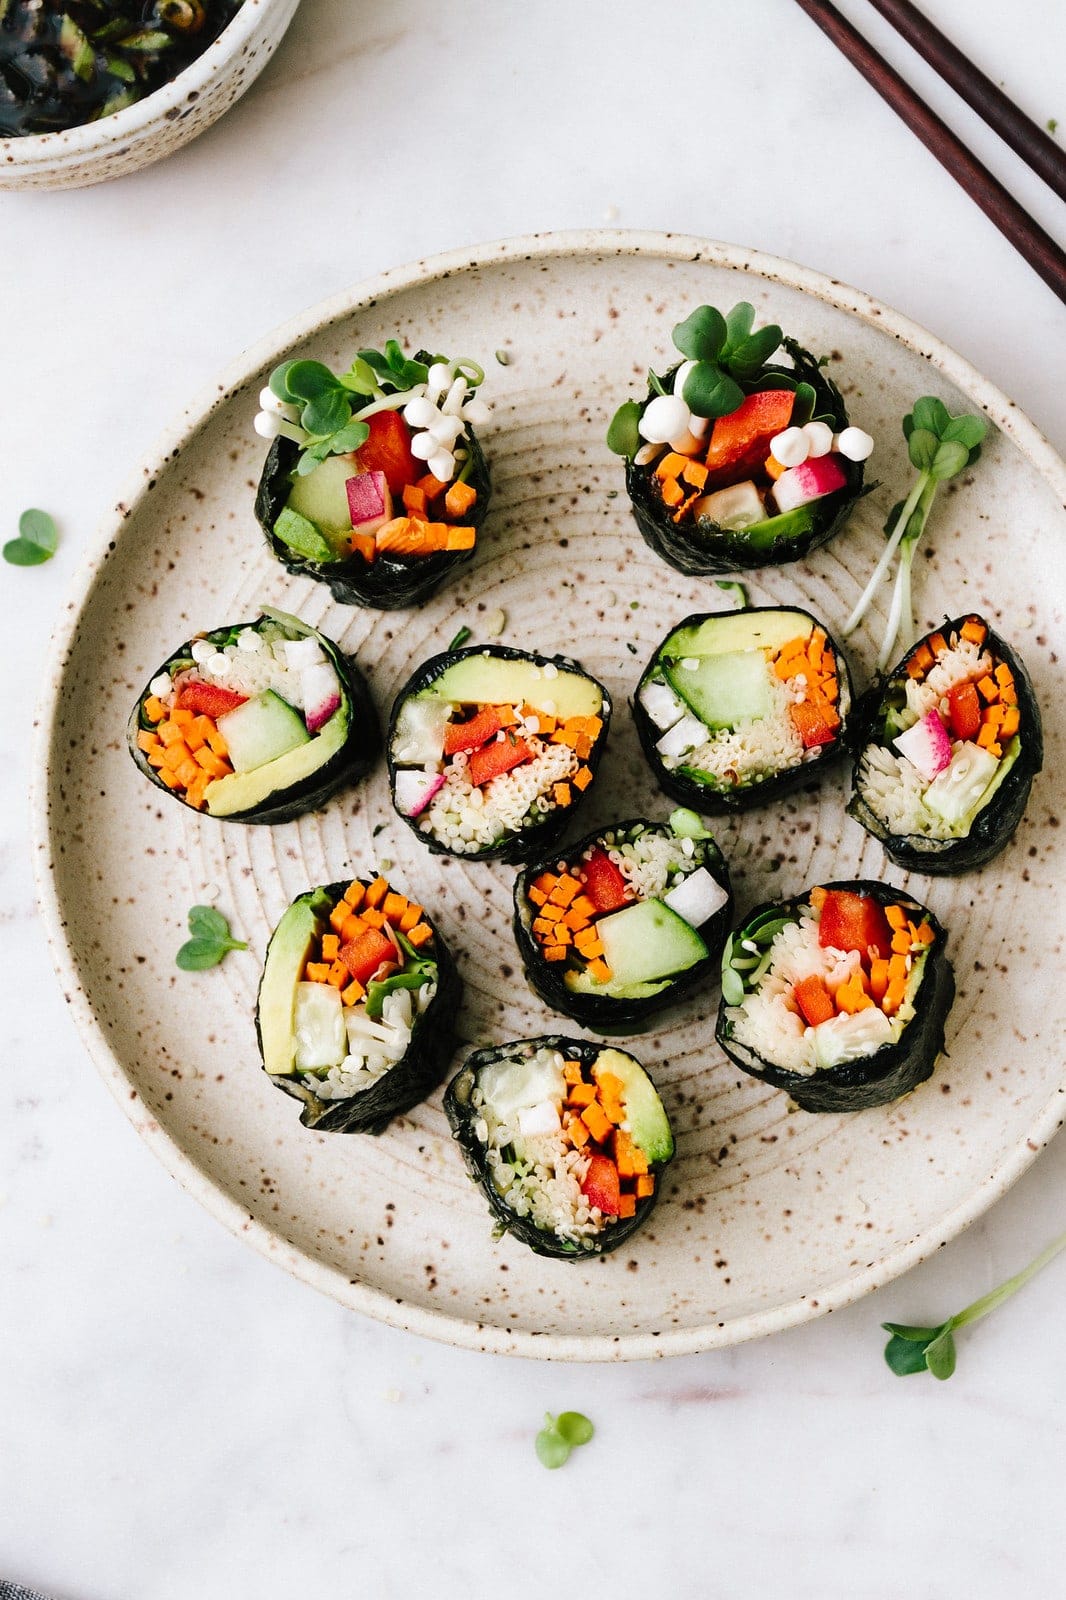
(67, 62)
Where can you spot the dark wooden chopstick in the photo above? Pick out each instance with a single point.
(1039, 249)
(1025, 137)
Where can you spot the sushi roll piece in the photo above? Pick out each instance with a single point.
(737, 707)
(946, 750)
(357, 1005)
(838, 996)
(741, 455)
(375, 482)
(568, 1139)
(625, 922)
(491, 749)
(255, 722)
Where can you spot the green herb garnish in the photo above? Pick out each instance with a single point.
(940, 447)
(1052, 124)
(560, 1435)
(460, 638)
(933, 1349)
(748, 954)
(36, 542)
(210, 940)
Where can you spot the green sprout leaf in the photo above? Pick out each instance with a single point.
(912, 1349)
(623, 435)
(460, 638)
(746, 359)
(739, 323)
(702, 335)
(350, 437)
(307, 380)
(211, 940)
(710, 392)
(559, 1436)
(36, 542)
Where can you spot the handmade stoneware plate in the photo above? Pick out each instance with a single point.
(769, 1215)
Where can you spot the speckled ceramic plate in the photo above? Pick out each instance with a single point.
(769, 1215)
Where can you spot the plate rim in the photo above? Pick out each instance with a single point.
(356, 1295)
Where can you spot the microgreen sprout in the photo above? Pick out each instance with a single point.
(933, 1349)
(748, 954)
(560, 1435)
(36, 542)
(736, 592)
(211, 939)
(460, 638)
(940, 446)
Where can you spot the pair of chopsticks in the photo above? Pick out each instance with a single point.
(1019, 131)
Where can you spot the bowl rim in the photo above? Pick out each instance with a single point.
(333, 1281)
(62, 145)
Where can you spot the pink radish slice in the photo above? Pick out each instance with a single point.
(320, 693)
(414, 790)
(811, 480)
(926, 746)
(369, 501)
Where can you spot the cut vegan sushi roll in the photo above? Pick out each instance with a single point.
(255, 722)
(375, 482)
(627, 921)
(838, 996)
(738, 707)
(568, 1140)
(357, 1005)
(946, 750)
(491, 749)
(739, 456)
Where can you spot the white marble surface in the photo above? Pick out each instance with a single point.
(176, 1416)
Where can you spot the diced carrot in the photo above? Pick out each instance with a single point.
(1011, 722)
(773, 468)
(878, 978)
(373, 916)
(316, 972)
(561, 793)
(353, 895)
(578, 1132)
(576, 921)
(567, 889)
(376, 893)
(582, 778)
(937, 644)
(330, 946)
(411, 917)
(627, 1205)
(352, 927)
(614, 1112)
(555, 952)
(571, 1071)
(155, 757)
(550, 912)
(987, 741)
(694, 473)
(624, 1149)
(352, 994)
(420, 935)
(365, 545)
(217, 742)
(196, 793)
(901, 941)
(923, 934)
(645, 1185)
(460, 538)
(672, 492)
(582, 1094)
(459, 498)
(851, 996)
(339, 915)
(431, 486)
(169, 731)
(672, 465)
(597, 1123)
(562, 934)
(817, 897)
(147, 741)
(414, 500)
(182, 718)
(896, 917)
(338, 974)
(394, 905)
(600, 971)
(921, 659)
(1004, 676)
(154, 709)
(537, 896)
(987, 688)
(973, 630)
(188, 772)
(176, 755)
(168, 777)
(213, 765)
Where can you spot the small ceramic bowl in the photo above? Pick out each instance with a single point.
(159, 124)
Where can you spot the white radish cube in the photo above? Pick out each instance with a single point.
(318, 1026)
(738, 506)
(414, 789)
(811, 480)
(320, 692)
(683, 736)
(955, 791)
(696, 898)
(419, 735)
(301, 653)
(926, 745)
(536, 1121)
(369, 501)
(662, 704)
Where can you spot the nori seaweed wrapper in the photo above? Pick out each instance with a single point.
(390, 582)
(995, 824)
(348, 764)
(705, 797)
(704, 548)
(414, 1076)
(462, 1114)
(891, 1071)
(516, 847)
(602, 1013)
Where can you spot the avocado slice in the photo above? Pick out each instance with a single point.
(241, 791)
(285, 960)
(581, 981)
(478, 679)
(648, 1124)
(759, 629)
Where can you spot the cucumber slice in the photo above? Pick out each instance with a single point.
(261, 730)
(321, 496)
(647, 941)
(724, 689)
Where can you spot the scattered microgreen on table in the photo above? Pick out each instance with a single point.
(211, 940)
(940, 446)
(559, 1436)
(36, 542)
(933, 1349)
(736, 592)
(460, 638)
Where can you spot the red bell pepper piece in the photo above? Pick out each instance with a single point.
(208, 699)
(388, 450)
(815, 721)
(814, 1000)
(602, 1186)
(364, 954)
(493, 760)
(471, 735)
(854, 922)
(964, 711)
(604, 884)
(740, 442)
